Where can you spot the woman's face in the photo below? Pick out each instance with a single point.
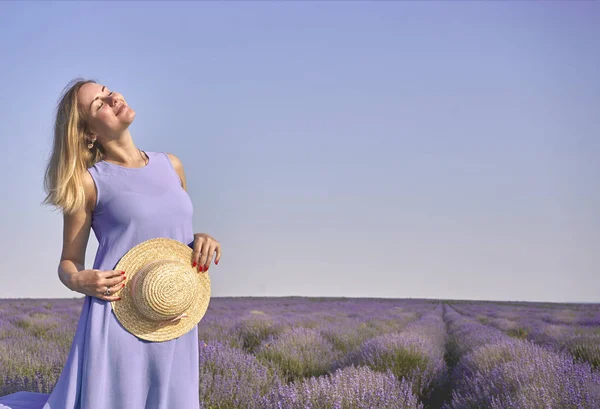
(108, 114)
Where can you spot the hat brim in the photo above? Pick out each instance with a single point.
(125, 310)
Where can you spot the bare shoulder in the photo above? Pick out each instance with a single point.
(178, 166)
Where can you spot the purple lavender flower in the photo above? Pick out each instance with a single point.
(350, 387)
(585, 348)
(417, 353)
(502, 372)
(254, 329)
(298, 353)
(231, 378)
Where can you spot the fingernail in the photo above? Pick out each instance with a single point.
(123, 285)
(200, 268)
(122, 272)
(194, 265)
(119, 299)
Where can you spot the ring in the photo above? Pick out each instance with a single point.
(107, 291)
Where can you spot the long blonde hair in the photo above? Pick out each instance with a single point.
(70, 157)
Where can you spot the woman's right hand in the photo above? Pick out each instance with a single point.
(94, 282)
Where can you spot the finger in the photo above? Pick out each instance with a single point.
(110, 298)
(111, 285)
(209, 256)
(115, 287)
(114, 295)
(114, 281)
(115, 290)
(203, 256)
(112, 273)
(196, 252)
(218, 256)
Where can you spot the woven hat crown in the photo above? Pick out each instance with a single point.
(164, 297)
(164, 289)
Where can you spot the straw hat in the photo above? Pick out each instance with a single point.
(164, 297)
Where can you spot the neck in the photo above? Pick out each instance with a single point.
(123, 152)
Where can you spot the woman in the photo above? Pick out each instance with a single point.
(102, 181)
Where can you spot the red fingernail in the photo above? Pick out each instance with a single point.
(194, 265)
(123, 286)
(119, 299)
(217, 262)
(122, 272)
(200, 268)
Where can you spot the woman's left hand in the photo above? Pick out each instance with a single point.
(203, 251)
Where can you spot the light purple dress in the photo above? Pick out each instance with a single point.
(108, 367)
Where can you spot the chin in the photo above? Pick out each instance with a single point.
(129, 116)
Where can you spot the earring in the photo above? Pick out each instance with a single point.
(91, 143)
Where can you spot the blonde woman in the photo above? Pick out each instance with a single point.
(102, 181)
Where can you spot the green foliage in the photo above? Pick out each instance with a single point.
(586, 349)
(299, 353)
(519, 332)
(253, 330)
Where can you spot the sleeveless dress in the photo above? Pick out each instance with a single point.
(108, 367)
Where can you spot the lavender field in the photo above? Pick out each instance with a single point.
(351, 353)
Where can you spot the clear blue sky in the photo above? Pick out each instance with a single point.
(359, 149)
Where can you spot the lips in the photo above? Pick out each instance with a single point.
(121, 108)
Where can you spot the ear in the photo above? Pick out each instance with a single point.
(89, 135)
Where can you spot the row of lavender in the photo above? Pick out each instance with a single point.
(35, 337)
(581, 341)
(395, 370)
(496, 371)
(551, 313)
(298, 353)
(261, 352)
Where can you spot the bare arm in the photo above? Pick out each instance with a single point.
(76, 233)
